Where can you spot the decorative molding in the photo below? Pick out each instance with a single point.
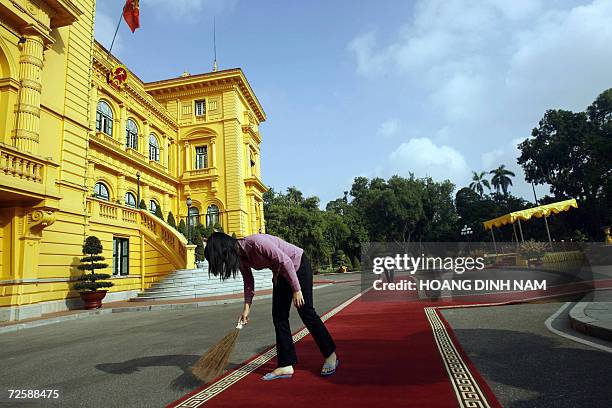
(466, 388)
(40, 219)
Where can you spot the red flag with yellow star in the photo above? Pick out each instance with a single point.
(131, 14)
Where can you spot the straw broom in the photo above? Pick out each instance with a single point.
(212, 364)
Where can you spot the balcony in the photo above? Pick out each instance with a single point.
(109, 140)
(209, 173)
(108, 146)
(250, 126)
(24, 176)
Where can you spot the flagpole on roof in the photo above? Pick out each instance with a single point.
(215, 44)
(116, 30)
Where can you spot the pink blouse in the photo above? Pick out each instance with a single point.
(267, 251)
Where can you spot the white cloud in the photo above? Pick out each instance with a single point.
(368, 62)
(483, 73)
(389, 128)
(424, 158)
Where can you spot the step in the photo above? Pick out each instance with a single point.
(194, 283)
(172, 297)
(206, 280)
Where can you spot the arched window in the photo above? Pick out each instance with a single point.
(153, 148)
(194, 217)
(131, 134)
(101, 191)
(212, 215)
(130, 199)
(104, 118)
(153, 206)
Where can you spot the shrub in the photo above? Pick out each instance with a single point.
(356, 264)
(142, 205)
(182, 228)
(339, 259)
(91, 263)
(158, 213)
(171, 221)
(197, 240)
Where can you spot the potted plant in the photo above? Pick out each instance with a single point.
(89, 283)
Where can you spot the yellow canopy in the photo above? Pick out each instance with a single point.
(540, 211)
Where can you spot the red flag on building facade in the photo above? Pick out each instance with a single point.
(131, 14)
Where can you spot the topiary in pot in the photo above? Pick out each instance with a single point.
(89, 282)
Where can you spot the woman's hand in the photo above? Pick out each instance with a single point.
(298, 299)
(244, 317)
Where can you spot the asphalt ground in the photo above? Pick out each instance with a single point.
(528, 366)
(137, 359)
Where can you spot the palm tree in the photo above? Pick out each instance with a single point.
(479, 182)
(294, 196)
(501, 178)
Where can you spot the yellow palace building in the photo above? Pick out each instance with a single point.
(83, 140)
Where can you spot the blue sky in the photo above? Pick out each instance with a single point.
(376, 88)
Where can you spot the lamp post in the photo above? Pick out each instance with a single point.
(188, 220)
(138, 189)
(466, 232)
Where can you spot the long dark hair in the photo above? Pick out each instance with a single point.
(221, 254)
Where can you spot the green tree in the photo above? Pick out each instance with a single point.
(501, 178)
(479, 182)
(182, 227)
(197, 240)
(158, 212)
(171, 221)
(92, 247)
(572, 153)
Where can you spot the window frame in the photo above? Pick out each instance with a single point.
(154, 148)
(131, 134)
(98, 195)
(213, 217)
(126, 201)
(121, 256)
(203, 156)
(153, 206)
(193, 219)
(104, 118)
(202, 104)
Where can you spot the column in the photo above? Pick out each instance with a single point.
(187, 157)
(121, 190)
(26, 136)
(166, 205)
(213, 153)
(253, 216)
(94, 104)
(165, 152)
(121, 124)
(143, 146)
(144, 193)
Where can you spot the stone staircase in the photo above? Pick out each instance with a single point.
(195, 283)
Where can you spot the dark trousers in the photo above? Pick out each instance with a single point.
(282, 298)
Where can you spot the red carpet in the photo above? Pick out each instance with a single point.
(389, 357)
